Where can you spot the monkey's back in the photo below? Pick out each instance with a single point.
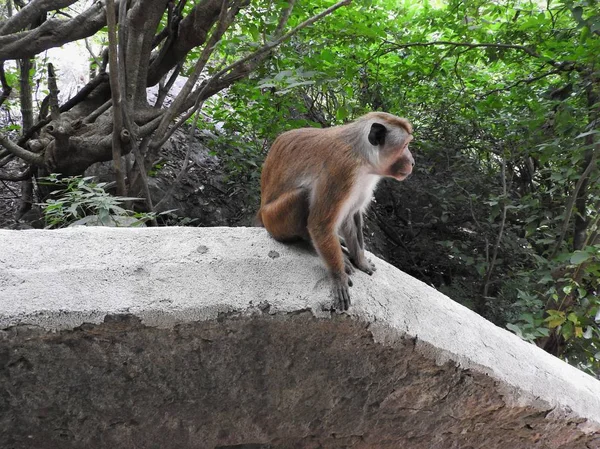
(298, 157)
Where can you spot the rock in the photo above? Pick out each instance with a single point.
(201, 338)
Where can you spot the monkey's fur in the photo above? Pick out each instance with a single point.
(316, 184)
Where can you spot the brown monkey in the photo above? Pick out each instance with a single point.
(317, 183)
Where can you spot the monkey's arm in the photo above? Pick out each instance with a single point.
(321, 227)
(352, 232)
(328, 246)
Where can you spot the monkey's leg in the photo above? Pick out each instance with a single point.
(352, 231)
(286, 218)
(358, 222)
(348, 265)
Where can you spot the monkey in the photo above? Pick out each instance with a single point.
(316, 183)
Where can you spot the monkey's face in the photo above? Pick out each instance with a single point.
(398, 163)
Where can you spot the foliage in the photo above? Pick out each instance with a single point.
(79, 197)
(213, 43)
(504, 97)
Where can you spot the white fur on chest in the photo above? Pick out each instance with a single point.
(360, 196)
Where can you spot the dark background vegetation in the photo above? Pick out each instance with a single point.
(501, 212)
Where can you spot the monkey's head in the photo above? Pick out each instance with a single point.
(391, 136)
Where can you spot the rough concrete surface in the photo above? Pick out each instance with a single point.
(217, 338)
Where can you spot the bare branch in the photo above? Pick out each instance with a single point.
(191, 32)
(186, 160)
(30, 12)
(84, 91)
(139, 159)
(522, 81)
(52, 33)
(6, 88)
(123, 34)
(5, 157)
(492, 263)
(80, 96)
(21, 152)
(53, 88)
(565, 65)
(571, 203)
(98, 112)
(25, 93)
(284, 17)
(164, 88)
(97, 60)
(142, 21)
(116, 94)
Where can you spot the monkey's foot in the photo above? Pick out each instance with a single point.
(366, 265)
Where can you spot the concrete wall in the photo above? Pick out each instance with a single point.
(218, 338)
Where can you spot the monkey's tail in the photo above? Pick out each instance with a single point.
(258, 220)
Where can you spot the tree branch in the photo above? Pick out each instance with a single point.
(53, 89)
(571, 204)
(189, 102)
(27, 15)
(284, 17)
(6, 88)
(164, 88)
(492, 263)
(186, 160)
(564, 66)
(52, 33)
(271, 45)
(522, 81)
(116, 94)
(21, 152)
(396, 46)
(191, 32)
(84, 91)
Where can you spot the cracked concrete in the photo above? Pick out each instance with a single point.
(217, 338)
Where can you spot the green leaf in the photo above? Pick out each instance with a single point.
(578, 14)
(516, 329)
(572, 318)
(579, 257)
(341, 113)
(327, 55)
(556, 318)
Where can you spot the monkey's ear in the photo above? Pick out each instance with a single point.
(377, 134)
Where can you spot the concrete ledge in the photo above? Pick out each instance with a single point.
(217, 338)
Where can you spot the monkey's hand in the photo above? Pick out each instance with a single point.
(341, 295)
